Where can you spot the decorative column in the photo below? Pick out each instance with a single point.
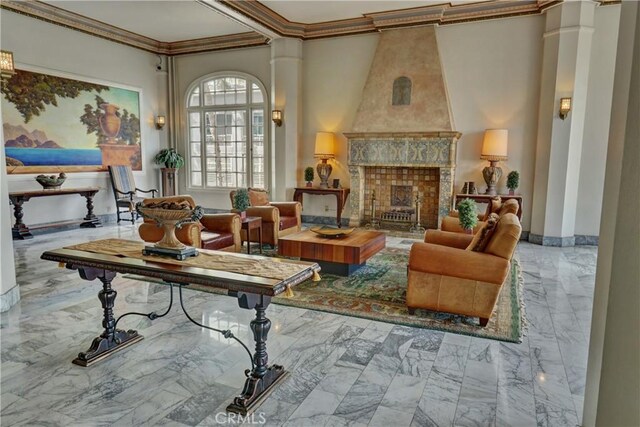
(565, 73)
(286, 83)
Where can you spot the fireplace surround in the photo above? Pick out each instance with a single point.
(401, 153)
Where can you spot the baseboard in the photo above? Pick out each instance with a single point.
(53, 227)
(9, 298)
(325, 220)
(577, 240)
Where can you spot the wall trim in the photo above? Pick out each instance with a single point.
(274, 23)
(577, 240)
(9, 298)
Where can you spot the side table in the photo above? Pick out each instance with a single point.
(252, 223)
(341, 195)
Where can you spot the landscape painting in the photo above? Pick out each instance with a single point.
(55, 124)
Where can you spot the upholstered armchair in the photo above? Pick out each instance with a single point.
(125, 191)
(213, 231)
(278, 218)
(452, 223)
(462, 274)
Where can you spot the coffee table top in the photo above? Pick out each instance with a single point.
(354, 248)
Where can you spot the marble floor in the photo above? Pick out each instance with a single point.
(345, 371)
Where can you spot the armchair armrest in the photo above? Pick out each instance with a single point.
(288, 208)
(267, 213)
(448, 238)
(228, 223)
(125, 193)
(453, 262)
(153, 191)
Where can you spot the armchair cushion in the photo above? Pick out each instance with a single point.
(258, 197)
(510, 206)
(288, 222)
(448, 238)
(483, 236)
(505, 239)
(218, 241)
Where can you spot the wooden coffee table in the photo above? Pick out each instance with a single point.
(341, 256)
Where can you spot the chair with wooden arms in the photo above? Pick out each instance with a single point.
(125, 191)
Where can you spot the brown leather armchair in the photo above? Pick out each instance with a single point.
(278, 218)
(213, 231)
(445, 275)
(452, 223)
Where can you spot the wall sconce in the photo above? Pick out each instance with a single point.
(160, 122)
(276, 117)
(7, 67)
(565, 107)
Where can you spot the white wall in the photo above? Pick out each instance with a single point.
(596, 130)
(44, 46)
(189, 68)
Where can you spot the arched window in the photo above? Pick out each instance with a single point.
(227, 132)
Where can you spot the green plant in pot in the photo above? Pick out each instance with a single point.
(241, 201)
(467, 215)
(513, 181)
(170, 158)
(308, 176)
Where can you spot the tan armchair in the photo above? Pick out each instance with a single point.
(214, 231)
(446, 275)
(278, 218)
(452, 223)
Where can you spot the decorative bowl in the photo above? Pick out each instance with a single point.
(332, 232)
(51, 182)
(170, 216)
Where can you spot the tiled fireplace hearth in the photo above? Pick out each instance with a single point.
(392, 164)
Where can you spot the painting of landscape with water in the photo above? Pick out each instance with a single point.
(55, 124)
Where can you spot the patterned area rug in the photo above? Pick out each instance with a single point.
(377, 292)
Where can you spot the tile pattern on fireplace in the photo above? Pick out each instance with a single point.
(422, 180)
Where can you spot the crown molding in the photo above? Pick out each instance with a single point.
(266, 24)
(74, 21)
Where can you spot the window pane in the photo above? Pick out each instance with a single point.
(241, 97)
(195, 149)
(194, 134)
(196, 179)
(194, 98)
(256, 94)
(195, 164)
(194, 119)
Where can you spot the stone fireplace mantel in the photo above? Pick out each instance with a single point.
(401, 149)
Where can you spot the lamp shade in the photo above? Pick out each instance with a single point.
(494, 145)
(324, 145)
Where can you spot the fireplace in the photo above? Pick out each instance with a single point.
(397, 167)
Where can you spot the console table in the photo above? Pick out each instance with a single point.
(253, 280)
(341, 195)
(20, 230)
(486, 198)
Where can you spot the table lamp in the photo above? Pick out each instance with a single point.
(324, 151)
(494, 149)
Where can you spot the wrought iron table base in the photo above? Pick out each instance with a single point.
(261, 379)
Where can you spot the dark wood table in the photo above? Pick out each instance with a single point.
(486, 198)
(252, 223)
(341, 195)
(252, 292)
(17, 198)
(341, 256)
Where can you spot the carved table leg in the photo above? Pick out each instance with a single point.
(262, 379)
(19, 230)
(111, 339)
(339, 207)
(91, 220)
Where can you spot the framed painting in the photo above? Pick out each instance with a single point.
(57, 124)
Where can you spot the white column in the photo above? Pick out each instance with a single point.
(612, 390)
(286, 95)
(565, 73)
(9, 290)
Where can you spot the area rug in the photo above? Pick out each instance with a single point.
(377, 291)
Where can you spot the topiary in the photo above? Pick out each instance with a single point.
(241, 200)
(513, 180)
(170, 158)
(467, 214)
(308, 174)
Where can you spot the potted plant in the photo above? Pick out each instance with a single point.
(241, 201)
(172, 161)
(513, 181)
(467, 215)
(170, 158)
(308, 176)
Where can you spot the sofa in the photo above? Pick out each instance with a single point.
(452, 223)
(278, 218)
(460, 273)
(213, 231)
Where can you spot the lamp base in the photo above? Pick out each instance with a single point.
(492, 175)
(324, 170)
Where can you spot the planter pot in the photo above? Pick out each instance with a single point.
(243, 215)
(469, 231)
(512, 192)
(309, 184)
